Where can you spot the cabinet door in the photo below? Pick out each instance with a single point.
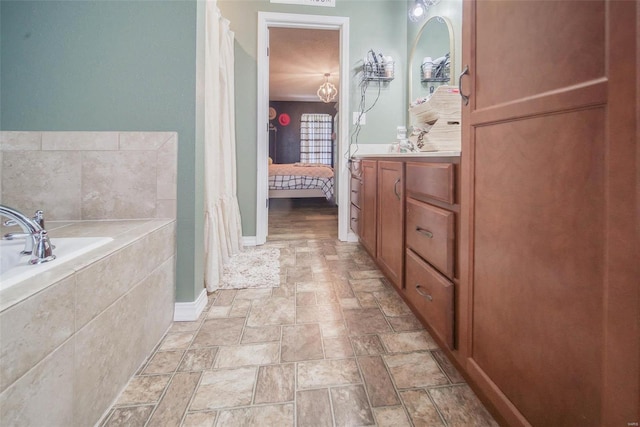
(549, 180)
(391, 220)
(368, 206)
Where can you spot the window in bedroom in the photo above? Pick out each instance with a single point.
(315, 139)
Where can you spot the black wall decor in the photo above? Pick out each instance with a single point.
(284, 144)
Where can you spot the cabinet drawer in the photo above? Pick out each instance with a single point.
(355, 168)
(354, 218)
(430, 233)
(432, 295)
(355, 191)
(435, 180)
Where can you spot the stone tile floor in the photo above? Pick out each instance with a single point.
(334, 345)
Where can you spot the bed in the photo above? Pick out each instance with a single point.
(298, 180)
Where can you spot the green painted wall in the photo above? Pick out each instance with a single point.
(137, 66)
(374, 24)
(111, 66)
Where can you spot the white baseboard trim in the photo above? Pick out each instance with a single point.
(249, 241)
(190, 311)
(352, 237)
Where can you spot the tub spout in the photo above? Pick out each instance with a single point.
(36, 240)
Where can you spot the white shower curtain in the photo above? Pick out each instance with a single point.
(223, 230)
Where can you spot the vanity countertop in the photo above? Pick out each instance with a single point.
(409, 155)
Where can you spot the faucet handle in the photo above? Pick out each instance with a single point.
(42, 249)
(39, 218)
(10, 223)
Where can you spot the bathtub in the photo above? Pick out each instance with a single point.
(74, 330)
(15, 268)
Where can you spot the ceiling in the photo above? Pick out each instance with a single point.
(298, 60)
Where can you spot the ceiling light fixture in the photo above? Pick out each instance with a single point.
(327, 91)
(419, 10)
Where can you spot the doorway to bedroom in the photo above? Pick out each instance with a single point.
(302, 78)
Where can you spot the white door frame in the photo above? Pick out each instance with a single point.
(290, 20)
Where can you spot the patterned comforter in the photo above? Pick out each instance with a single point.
(291, 177)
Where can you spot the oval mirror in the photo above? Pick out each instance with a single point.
(431, 59)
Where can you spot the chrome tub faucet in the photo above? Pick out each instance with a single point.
(36, 240)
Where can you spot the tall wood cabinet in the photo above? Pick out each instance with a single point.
(549, 252)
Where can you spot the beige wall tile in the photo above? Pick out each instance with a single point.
(145, 140)
(44, 395)
(34, 328)
(111, 347)
(166, 208)
(102, 282)
(21, 141)
(118, 184)
(50, 181)
(167, 166)
(79, 141)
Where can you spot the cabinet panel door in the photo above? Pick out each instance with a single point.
(391, 220)
(369, 205)
(549, 252)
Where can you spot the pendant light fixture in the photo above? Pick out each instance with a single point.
(327, 91)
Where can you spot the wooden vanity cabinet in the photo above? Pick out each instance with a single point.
(367, 229)
(430, 233)
(413, 204)
(390, 239)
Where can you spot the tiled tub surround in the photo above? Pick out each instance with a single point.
(90, 175)
(72, 337)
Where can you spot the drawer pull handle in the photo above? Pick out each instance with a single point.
(395, 188)
(422, 293)
(354, 191)
(424, 232)
(354, 219)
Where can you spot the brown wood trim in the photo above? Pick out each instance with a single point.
(621, 372)
(502, 409)
(579, 96)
